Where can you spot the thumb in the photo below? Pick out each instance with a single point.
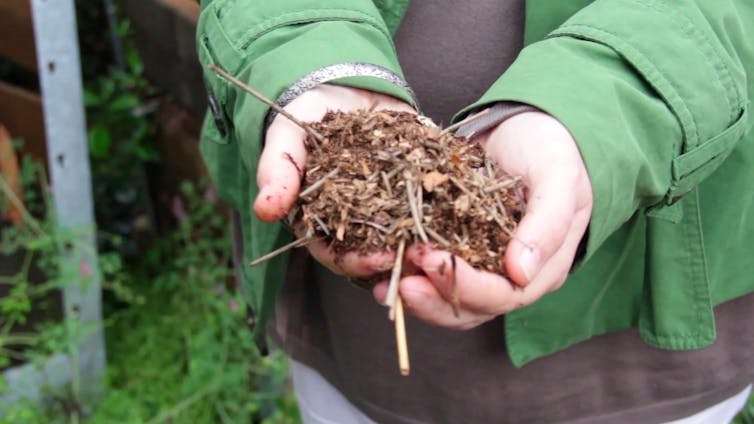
(280, 170)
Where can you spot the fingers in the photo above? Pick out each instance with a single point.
(542, 151)
(284, 155)
(479, 291)
(542, 230)
(280, 170)
(352, 264)
(422, 299)
(555, 271)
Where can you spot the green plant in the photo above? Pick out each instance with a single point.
(32, 325)
(186, 355)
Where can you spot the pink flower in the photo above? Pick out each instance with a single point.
(84, 269)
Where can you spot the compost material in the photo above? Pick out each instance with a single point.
(375, 178)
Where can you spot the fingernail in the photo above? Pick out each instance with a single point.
(530, 263)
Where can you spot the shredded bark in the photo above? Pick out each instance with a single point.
(376, 178)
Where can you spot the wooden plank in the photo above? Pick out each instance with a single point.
(11, 174)
(17, 43)
(21, 113)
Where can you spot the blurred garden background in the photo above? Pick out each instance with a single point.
(177, 342)
(178, 347)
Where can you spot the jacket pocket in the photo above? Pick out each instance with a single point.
(676, 311)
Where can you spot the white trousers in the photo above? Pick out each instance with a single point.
(321, 403)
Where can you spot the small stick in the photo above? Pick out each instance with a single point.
(317, 136)
(395, 171)
(454, 288)
(414, 211)
(461, 186)
(371, 224)
(292, 245)
(503, 184)
(438, 238)
(420, 202)
(322, 225)
(295, 165)
(460, 123)
(488, 165)
(395, 276)
(433, 145)
(317, 184)
(387, 184)
(400, 338)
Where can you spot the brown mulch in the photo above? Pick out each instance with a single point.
(378, 177)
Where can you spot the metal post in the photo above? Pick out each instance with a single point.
(68, 157)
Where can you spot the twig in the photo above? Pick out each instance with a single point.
(420, 202)
(395, 276)
(438, 238)
(372, 224)
(400, 338)
(395, 171)
(295, 165)
(462, 187)
(454, 302)
(457, 125)
(414, 210)
(502, 184)
(387, 184)
(317, 136)
(321, 224)
(292, 245)
(317, 184)
(433, 145)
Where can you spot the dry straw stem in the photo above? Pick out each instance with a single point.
(392, 290)
(412, 203)
(216, 69)
(303, 241)
(400, 338)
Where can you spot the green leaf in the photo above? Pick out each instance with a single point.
(124, 102)
(39, 243)
(91, 98)
(134, 62)
(108, 88)
(99, 141)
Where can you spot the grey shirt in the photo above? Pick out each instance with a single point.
(451, 52)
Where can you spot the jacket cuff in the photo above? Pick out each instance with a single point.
(341, 72)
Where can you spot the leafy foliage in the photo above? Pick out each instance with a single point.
(186, 354)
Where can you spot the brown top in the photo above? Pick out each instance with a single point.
(451, 52)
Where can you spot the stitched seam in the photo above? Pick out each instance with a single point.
(723, 75)
(301, 17)
(648, 69)
(688, 235)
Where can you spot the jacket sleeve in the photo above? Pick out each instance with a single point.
(271, 45)
(653, 91)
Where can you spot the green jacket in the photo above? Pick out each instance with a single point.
(656, 94)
